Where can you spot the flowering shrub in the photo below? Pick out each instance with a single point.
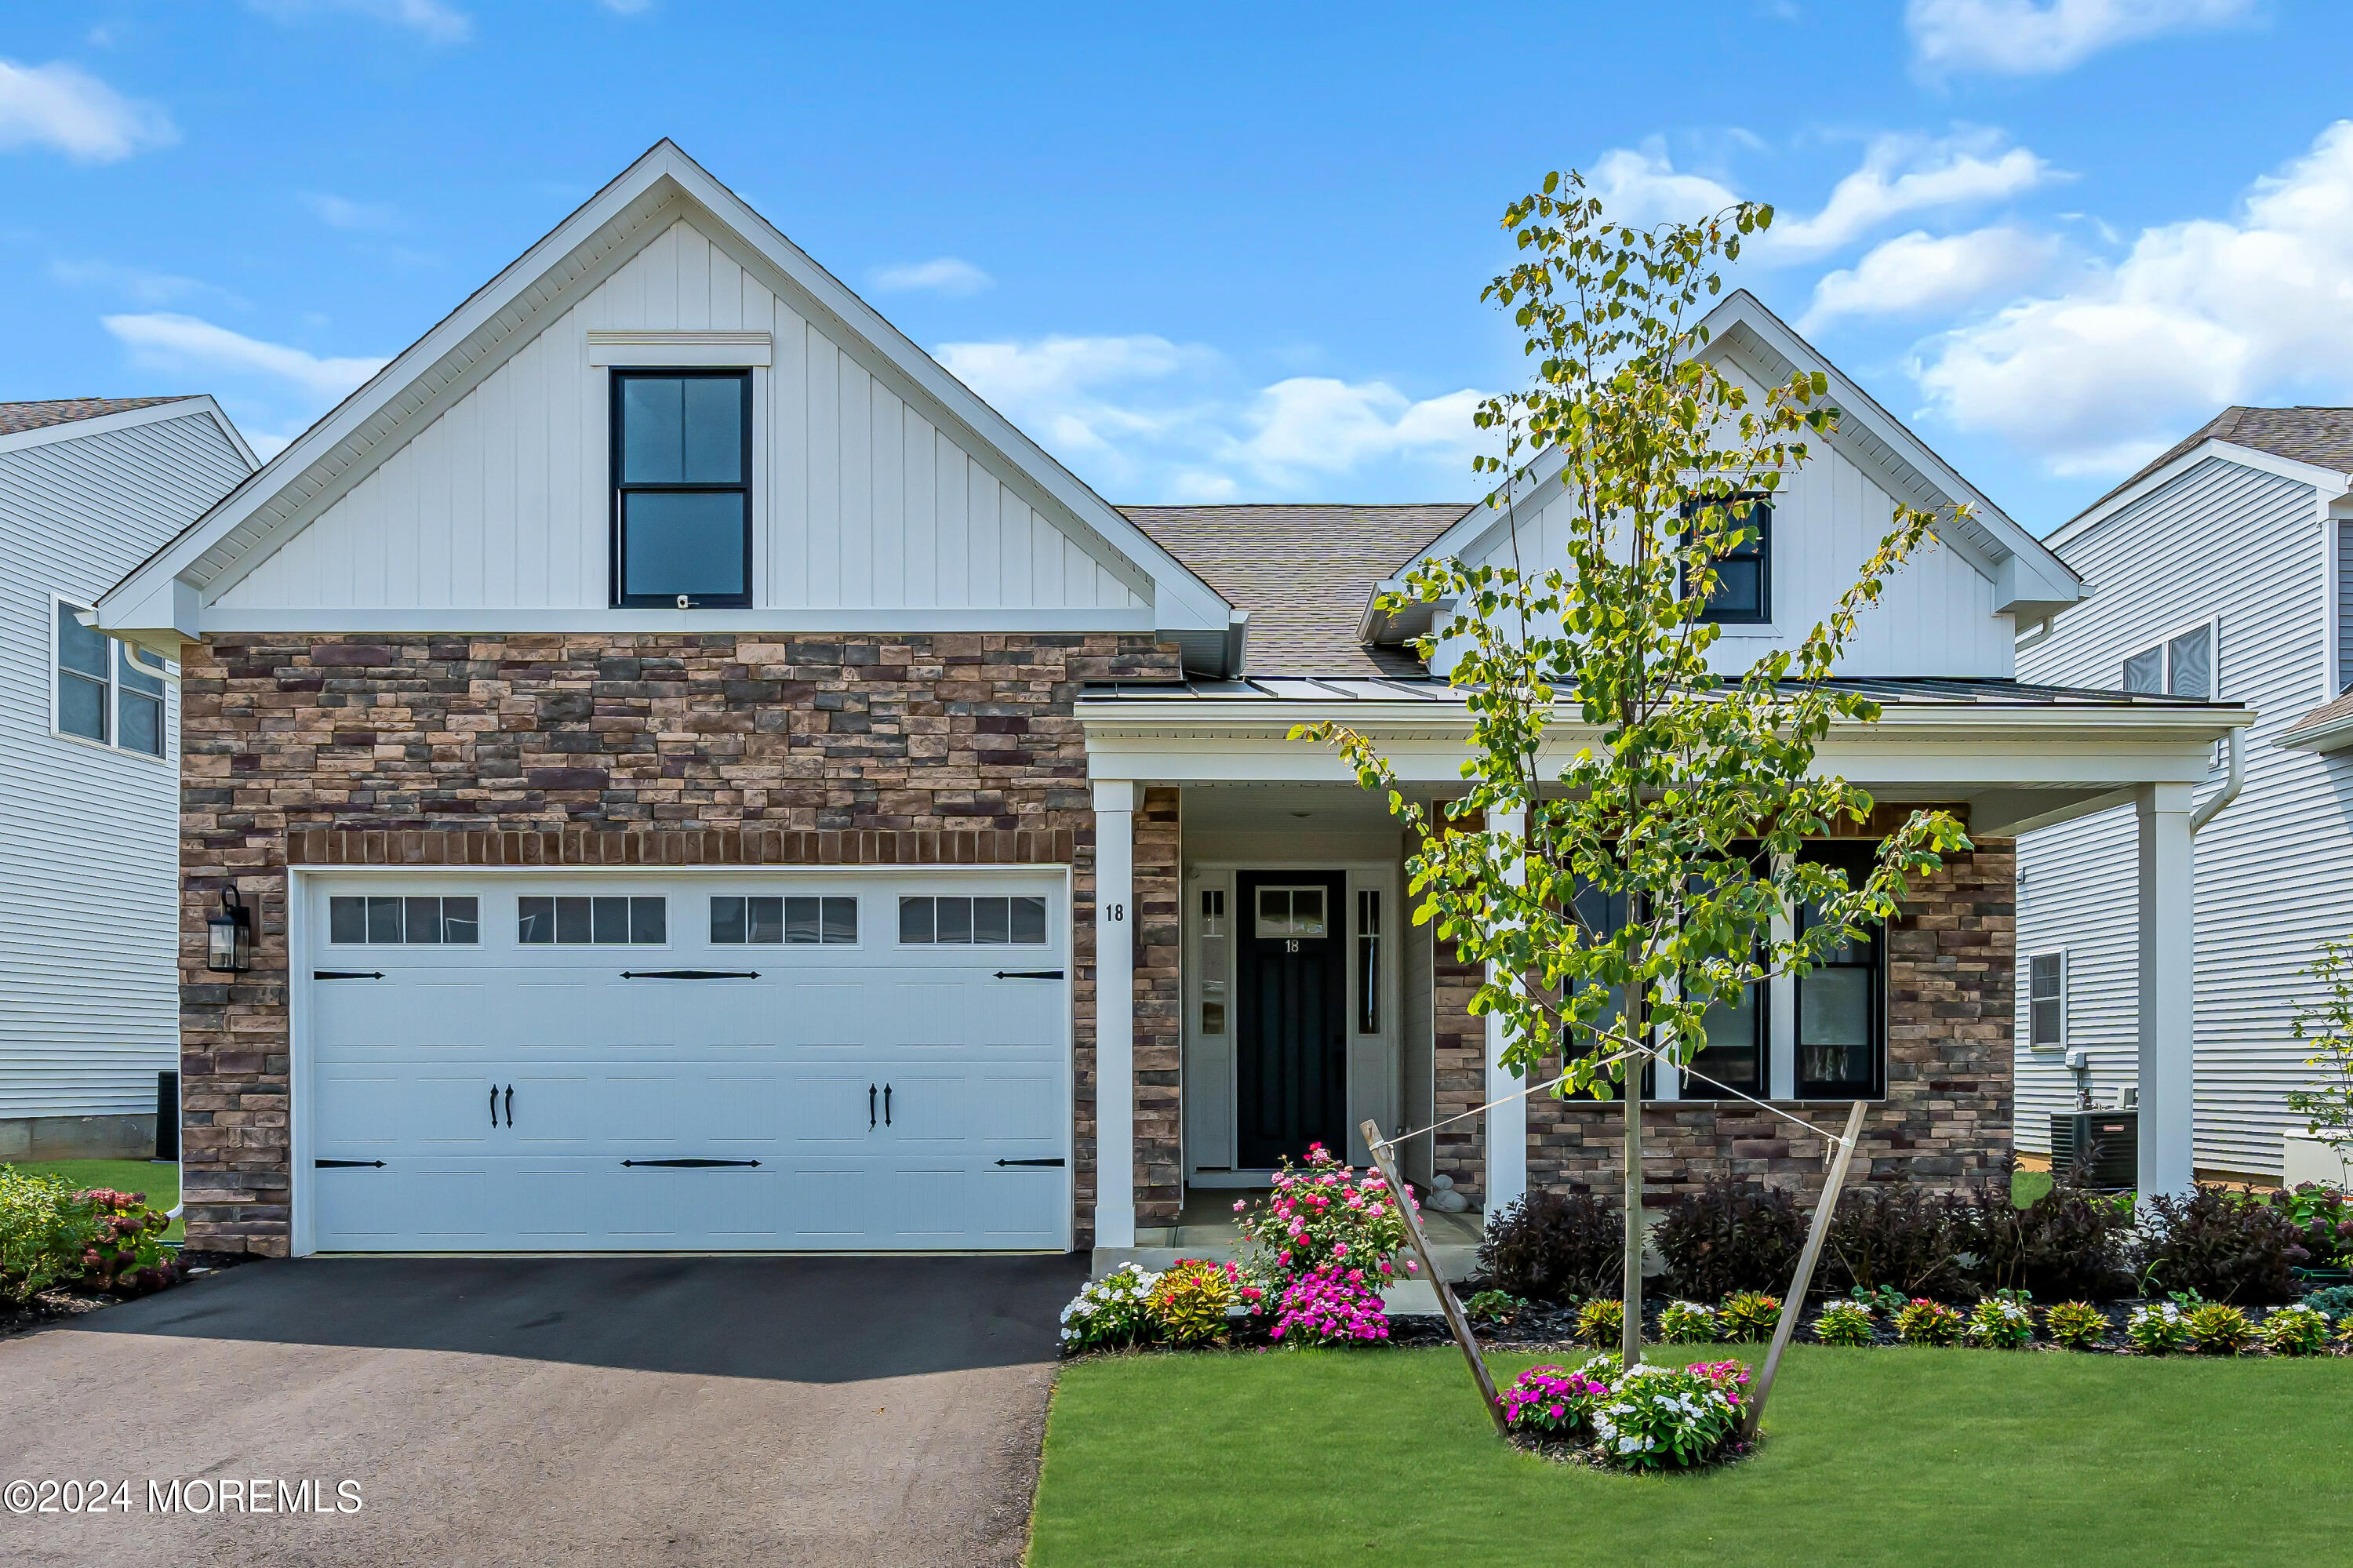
(51, 1233)
(1687, 1323)
(1330, 1305)
(1319, 1215)
(2156, 1328)
(1924, 1322)
(2002, 1321)
(1846, 1323)
(1114, 1310)
(1657, 1418)
(125, 1251)
(2296, 1330)
(1750, 1315)
(1556, 1402)
(1601, 1322)
(2078, 1325)
(2217, 1329)
(1189, 1302)
(1495, 1307)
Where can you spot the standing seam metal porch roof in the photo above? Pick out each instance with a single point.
(1916, 692)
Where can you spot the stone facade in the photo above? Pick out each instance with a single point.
(1159, 1011)
(629, 749)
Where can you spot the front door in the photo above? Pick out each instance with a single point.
(1292, 997)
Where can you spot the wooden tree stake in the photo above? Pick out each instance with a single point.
(1796, 1301)
(1385, 1158)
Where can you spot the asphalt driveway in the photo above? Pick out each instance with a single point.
(576, 1411)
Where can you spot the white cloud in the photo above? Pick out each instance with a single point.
(137, 284)
(431, 20)
(1145, 418)
(59, 106)
(178, 342)
(342, 212)
(1899, 177)
(1917, 271)
(626, 8)
(2199, 315)
(941, 275)
(2030, 38)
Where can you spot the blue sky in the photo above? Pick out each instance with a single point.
(1223, 251)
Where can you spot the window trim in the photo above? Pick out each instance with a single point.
(1761, 515)
(116, 651)
(616, 490)
(2031, 1043)
(2162, 646)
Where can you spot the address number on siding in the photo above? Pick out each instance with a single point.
(1114, 912)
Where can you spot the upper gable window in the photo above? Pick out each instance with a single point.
(107, 691)
(1744, 574)
(682, 489)
(2181, 666)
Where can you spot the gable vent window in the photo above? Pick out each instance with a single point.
(107, 691)
(1744, 574)
(682, 489)
(2181, 666)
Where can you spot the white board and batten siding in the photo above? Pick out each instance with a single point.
(2275, 871)
(1937, 616)
(90, 840)
(861, 503)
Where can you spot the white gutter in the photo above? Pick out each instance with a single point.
(2231, 785)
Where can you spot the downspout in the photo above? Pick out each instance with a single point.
(2231, 784)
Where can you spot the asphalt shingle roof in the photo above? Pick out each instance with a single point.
(16, 418)
(1304, 573)
(2323, 437)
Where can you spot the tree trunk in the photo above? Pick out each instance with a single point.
(1630, 1339)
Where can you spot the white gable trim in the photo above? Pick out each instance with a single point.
(2030, 580)
(669, 349)
(327, 459)
(177, 408)
(2329, 480)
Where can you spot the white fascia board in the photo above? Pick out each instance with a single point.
(131, 419)
(1183, 602)
(2330, 736)
(2329, 480)
(503, 620)
(2028, 576)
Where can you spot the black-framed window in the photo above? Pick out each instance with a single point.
(682, 489)
(1841, 1036)
(1744, 574)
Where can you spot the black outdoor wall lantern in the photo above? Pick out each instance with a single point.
(229, 936)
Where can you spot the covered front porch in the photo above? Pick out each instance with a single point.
(1261, 984)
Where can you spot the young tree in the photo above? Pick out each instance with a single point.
(1633, 821)
(2328, 1106)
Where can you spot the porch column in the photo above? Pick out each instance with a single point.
(1507, 1123)
(2169, 960)
(1115, 803)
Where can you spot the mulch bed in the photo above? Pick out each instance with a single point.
(63, 1303)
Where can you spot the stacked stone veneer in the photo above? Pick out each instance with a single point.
(631, 750)
(1946, 1117)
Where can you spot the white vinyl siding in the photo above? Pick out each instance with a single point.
(860, 501)
(2275, 871)
(90, 842)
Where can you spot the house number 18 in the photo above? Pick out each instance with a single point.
(1115, 912)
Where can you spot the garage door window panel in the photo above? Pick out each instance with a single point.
(580, 922)
(381, 920)
(978, 922)
(786, 921)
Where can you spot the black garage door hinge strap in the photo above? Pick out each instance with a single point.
(689, 974)
(347, 974)
(688, 1164)
(1028, 974)
(346, 1164)
(1029, 1162)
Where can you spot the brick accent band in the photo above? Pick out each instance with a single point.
(720, 846)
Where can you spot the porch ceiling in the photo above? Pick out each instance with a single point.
(1303, 808)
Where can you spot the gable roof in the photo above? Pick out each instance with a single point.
(1303, 573)
(39, 415)
(169, 590)
(2030, 581)
(2318, 437)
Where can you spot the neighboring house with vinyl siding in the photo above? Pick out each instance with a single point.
(90, 765)
(2225, 570)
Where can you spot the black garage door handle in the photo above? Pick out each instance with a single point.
(1029, 1162)
(346, 1164)
(347, 974)
(688, 1164)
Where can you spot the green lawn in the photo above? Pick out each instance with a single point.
(1920, 1457)
(2025, 1186)
(160, 1182)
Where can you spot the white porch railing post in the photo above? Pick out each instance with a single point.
(2169, 960)
(1507, 1123)
(1115, 802)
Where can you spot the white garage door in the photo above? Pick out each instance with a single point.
(555, 1063)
